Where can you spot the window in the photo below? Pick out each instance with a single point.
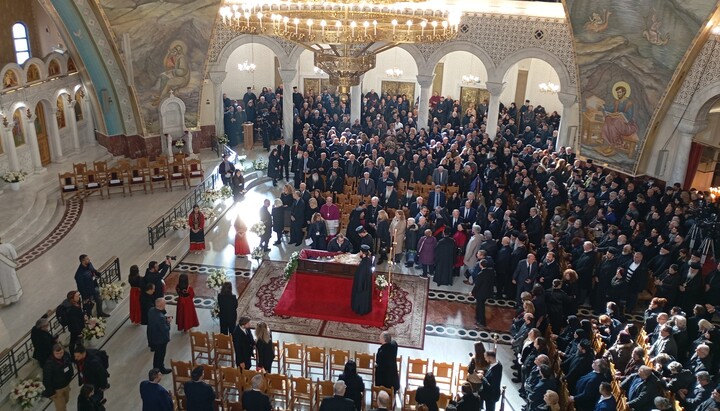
(22, 42)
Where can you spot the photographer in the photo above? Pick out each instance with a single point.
(86, 277)
(155, 274)
(226, 170)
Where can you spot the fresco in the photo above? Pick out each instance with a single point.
(627, 52)
(169, 40)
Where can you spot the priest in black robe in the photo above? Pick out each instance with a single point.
(361, 299)
(445, 252)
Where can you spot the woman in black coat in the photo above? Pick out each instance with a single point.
(383, 234)
(86, 401)
(274, 167)
(227, 305)
(318, 232)
(429, 393)
(264, 346)
(278, 218)
(355, 387)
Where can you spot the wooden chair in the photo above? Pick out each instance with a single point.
(93, 182)
(416, 370)
(68, 186)
(293, 354)
(223, 349)
(193, 170)
(278, 388)
(302, 392)
(365, 363)
(461, 377)
(200, 346)
(231, 385)
(176, 172)
(444, 374)
(337, 360)
(409, 402)
(159, 173)
(117, 179)
(211, 375)
(247, 376)
(143, 162)
(375, 390)
(322, 389)
(100, 166)
(79, 168)
(138, 176)
(181, 371)
(315, 359)
(444, 400)
(278, 355)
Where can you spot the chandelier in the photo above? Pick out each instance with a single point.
(245, 66)
(470, 79)
(549, 87)
(394, 72)
(344, 36)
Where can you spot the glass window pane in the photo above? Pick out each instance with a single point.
(22, 57)
(19, 30)
(21, 45)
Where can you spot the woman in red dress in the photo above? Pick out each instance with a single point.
(136, 285)
(196, 221)
(241, 244)
(186, 315)
(461, 238)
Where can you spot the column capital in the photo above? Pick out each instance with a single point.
(691, 127)
(494, 88)
(217, 77)
(567, 99)
(425, 80)
(287, 75)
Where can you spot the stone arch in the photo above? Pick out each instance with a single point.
(294, 57)
(702, 101)
(17, 74)
(537, 53)
(238, 41)
(417, 56)
(460, 45)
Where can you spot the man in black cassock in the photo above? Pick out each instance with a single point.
(361, 299)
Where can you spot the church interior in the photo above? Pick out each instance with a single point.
(100, 97)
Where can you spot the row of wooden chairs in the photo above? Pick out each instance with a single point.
(127, 176)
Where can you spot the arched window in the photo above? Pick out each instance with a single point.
(21, 40)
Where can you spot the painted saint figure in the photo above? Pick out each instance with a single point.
(177, 70)
(619, 121)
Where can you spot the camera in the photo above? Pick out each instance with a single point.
(171, 257)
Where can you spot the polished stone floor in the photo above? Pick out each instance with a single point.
(117, 227)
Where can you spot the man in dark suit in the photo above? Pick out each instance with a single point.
(587, 388)
(155, 274)
(386, 371)
(607, 400)
(158, 334)
(491, 380)
(86, 280)
(547, 382)
(366, 186)
(284, 152)
(254, 399)
(436, 198)
(154, 396)
(266, 218)
(244, 343)
(469, 400)
(200, 395)
(415, 207)
(641, 389)
(699, 394)
(337, 402)
(524, 275)
(482, 290)
(467, 212)
(297, 219)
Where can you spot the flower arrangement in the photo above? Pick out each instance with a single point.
(208, 212)
(223, 139)
(211, 196)
(112, 292)
(257, 253)
(216, 278)
(180, 223)
(226, 192)
(381, 282)
(26, 393)
(241, 159)
(258, 228)
(260, 164)
(14, 176)
(215, 313)
(180, 143)
(94, 328)
(291, 265)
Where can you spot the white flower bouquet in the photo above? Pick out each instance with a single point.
(226, 192)
(211, 196)
(258, 228)
(381, 282)
(112, 292)
(26, 393)
(216, 278)
(180, 143)
(215, 313)
(223, 139)
(260, 164)
(14, 176)
(208, 212)
(241, 159)
(291, 265)
(94, 328)
(257, 253)
(180, 223)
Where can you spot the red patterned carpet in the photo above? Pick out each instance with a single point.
(405, 317)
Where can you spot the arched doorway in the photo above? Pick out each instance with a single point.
(41, 131)
(704, 160)
(460, 76)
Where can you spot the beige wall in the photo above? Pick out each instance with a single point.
(48, 35)
(10, 13)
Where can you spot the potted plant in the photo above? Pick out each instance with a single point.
(180, 144)
(222, 140)
(14, 178)
(181, 226)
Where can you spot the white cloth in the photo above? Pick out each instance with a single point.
(332, 226)
(10, 290)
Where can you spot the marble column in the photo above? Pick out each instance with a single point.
(568, 101)
(31, 137)
(355, 103)
(54, 135)
(189, 143)
(72, 124)
(89, 122)
(8, 143)
(288, 79)
(684, 134)
(217, 78)
(425, 81)
(169, 145)
(495, 90)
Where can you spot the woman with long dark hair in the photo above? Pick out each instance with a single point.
(136, 284)
(186, 315)
(227, 306)
(355, 387)
(429, 393)
(264, 346)
(196, 221)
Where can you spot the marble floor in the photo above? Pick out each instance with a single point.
(117, 227)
